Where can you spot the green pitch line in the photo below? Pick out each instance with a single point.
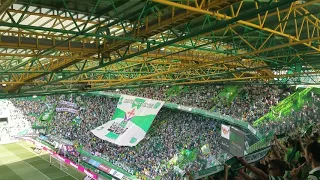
(19, 162)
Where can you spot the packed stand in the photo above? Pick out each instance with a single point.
(171, 132)
(13, 120)
(308, 114)
(293, 157)
(33, 107)
(94, 112)
(193, 96)
(250, 103)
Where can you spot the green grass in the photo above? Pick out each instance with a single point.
(19, 162)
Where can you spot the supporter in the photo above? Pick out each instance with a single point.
(296, 119)
(312, 156)
(305, 168)
(174, 131)
(249, 104)
(276, 169)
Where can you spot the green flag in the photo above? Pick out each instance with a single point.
(46, 116)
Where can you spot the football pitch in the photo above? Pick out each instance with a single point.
(18, 161)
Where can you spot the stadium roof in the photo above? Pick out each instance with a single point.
(60, 46)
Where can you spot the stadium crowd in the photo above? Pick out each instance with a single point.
(250, 102)
(172, 131)
(308, 114)
(13, 120)
(293, 157)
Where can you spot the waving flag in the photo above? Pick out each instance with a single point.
(130, 122)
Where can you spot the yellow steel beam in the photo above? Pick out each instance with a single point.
(144, 31)
(199, 10)
(75, 81)
(223, 60)
(188, 58)
(77, 50)
(62, 56)
(269, 77)
(19, 11)
(147, 30)
(259, 26)
(294, 54)
(208, 80)
(217, 14)
(43, 42)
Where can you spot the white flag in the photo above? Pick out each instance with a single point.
(130, 122)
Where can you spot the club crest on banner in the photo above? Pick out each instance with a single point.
(225, 131)
(127, 117)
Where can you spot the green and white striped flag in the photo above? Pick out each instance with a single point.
(130, 122)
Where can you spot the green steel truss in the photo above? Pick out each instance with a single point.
(52, 47)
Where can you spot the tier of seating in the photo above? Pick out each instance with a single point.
(172, 131)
